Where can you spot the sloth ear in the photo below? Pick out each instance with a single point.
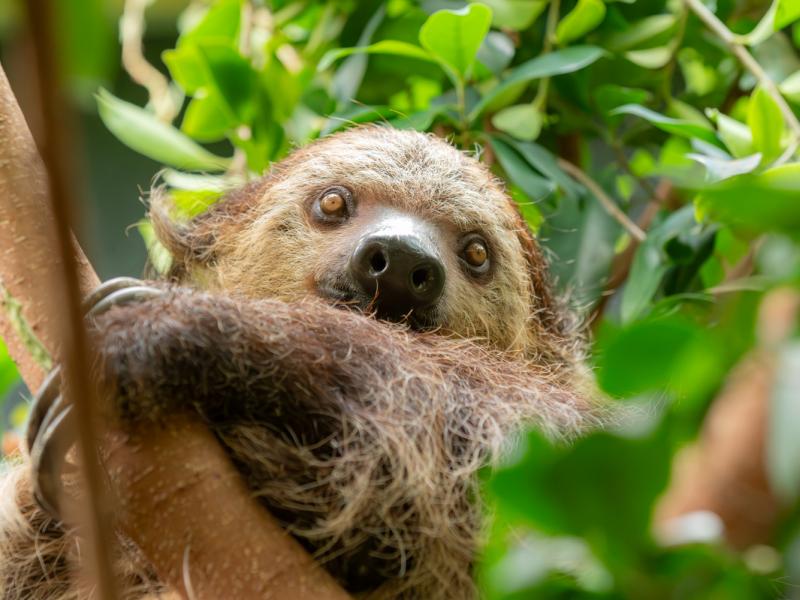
(194, 242)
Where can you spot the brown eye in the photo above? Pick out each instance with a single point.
(475, 253)
(334, 205)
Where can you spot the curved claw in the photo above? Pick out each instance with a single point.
(124, 296)
(106, 288)
(48, 456)
(49, 434)
(44, 398)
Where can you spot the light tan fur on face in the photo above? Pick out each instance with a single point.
(275, 251)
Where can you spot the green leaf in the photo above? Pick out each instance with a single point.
(142, 132)
(609, 96)
(783, 443)
(736, 136)
(650, 265)
(601, 488)
(454, 36)
(86, 48)
(392, 47)
(559, 62)
(220, 24)
(232, 78)
(515, 15)
(787, 12)
(545, 163)
(8, 374)
(681, 127)
(766, 123)
(186, 67)
(158, 255)
(652, 58)
(641, 33)
(582, 19)
(207, 119)
(520, 172)
(719, 169)
(655, 355)
(523, 121)
(647, 271)
(766, 201)
(790, 87)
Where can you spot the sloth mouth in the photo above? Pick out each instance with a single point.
(345, 297)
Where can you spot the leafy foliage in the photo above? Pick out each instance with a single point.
(694, 153)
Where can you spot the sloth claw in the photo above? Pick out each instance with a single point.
(50, 425)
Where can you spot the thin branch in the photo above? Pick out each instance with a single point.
(131, 27)
(75, 353)
(750, 63)
(604, 199)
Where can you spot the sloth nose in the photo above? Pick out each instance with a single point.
(398, 272)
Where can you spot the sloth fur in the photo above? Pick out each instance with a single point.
(363, 437)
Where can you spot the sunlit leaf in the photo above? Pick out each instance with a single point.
(514, 14)
(790, 87)
(219, 24)
(765, 120)
(454, 36)
(141, 131)
(392, 47)
(651, 58)
(523, 121)
(582, 19)
(786, 13)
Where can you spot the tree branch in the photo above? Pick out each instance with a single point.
(604, 199)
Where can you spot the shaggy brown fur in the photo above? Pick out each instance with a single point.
(362, 436)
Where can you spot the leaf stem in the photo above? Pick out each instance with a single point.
(750, 63)
(540, 100)
(604, 199)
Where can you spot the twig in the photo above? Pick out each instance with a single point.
(750, 63)
(131, 27)
(609, 204)
(75, 354)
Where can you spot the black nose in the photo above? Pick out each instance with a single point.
(398, 272)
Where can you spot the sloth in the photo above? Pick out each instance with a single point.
(363, 329)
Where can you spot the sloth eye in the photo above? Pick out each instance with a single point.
(333, 205)
(475, 254)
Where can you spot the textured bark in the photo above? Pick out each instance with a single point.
(28, 262)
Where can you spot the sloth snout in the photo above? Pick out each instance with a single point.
(398, 272)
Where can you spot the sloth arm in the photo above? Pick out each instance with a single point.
(234, 359)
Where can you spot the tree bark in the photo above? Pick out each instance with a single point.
(28, 262)
(179, 497)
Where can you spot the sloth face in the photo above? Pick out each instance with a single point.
(397, 224)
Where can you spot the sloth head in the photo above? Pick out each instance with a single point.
(398, 224)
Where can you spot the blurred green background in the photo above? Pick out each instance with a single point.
(659, 171)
